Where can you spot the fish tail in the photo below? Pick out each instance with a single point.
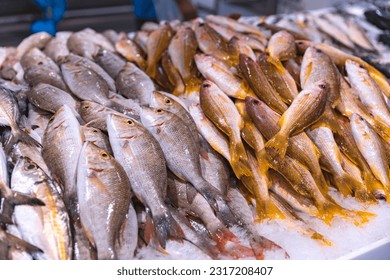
(228, 244)
(279, 143)
(346, 184)
(210, 193)
(328, 210)
(166, 226)
(382, 129)
(151, 70)
(222, 235)
(268, 210)
(237, 251)
(321, 182)
(261, 244)
(239, 159)
(19, 135)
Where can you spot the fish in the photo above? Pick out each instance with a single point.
(131, 51)
(133, 83)
(157, 43)
(203, 243)
(257, 80)
(220, 109)
(173, 75)
(305, 110)
(104, 194)
(339, 58)
(275, 28)
(173, 104)
(167, 128)
(35, 58)
(57, 48)
(46, 227)
(238, 46)
(12, 197)
(37, 40)
(219, 73)
(345, 140)
(235, 25)
(181, 51)
(141, 39)
(210, 42)
(281, 46)
(331, 159)
(243, 214)
(88, 63)
(9, 116)
(97, 137)
(42, 74)
(95, 114)
(193, 203)
(51, 98)
(368, 91)
(333, 31)
(372, 149)
(8, 242)
(351, 104)
(131, 144)
(110, 62)
(317, 66)
(357, 35)
(125, 248)
(87, 42)
(279, 79)
(210, 132)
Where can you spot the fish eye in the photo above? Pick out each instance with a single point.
(206, 85)
(86, 107)
(30, 166)
(40, 63)
(322, 86)
(104, 155)
(159, 111)
(95, 130)
(168, 101)
(129, 122)
(256, 102)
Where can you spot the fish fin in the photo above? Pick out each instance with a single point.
(346, 184)
(210, 193)
(151, 70)
(222, 235)
(166, 226)
(19, 135)
(319, 237)
(268, 210)
(19, 243)
(276, 62)
(237, 251)
(382, 129)
(97, 182)
(260, 244)
(18, 198)
(190, 193)
(148, 229)
(279, 143)
(238, 159)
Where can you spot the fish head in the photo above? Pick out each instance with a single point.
(322, 86)
(95, 159)
(353, 67)
(151, 117)
(302, 45)
(123, 127)
(28, 172)
(90, 108)
(92, 134)
(358, 121)
(166, 101)
(62, 115)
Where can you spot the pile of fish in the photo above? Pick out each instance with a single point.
(112, 143)
(361, 29)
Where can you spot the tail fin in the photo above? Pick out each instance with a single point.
(261, 244)
(346, 184)
(19, 135)
(166, 227)
(151, 70)
(279, 143)
(382, 129)
(237, 251)
(238, 158)
(210, 193)
(268, 210)
(221, 236)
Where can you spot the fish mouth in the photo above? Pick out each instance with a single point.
(98, 170)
